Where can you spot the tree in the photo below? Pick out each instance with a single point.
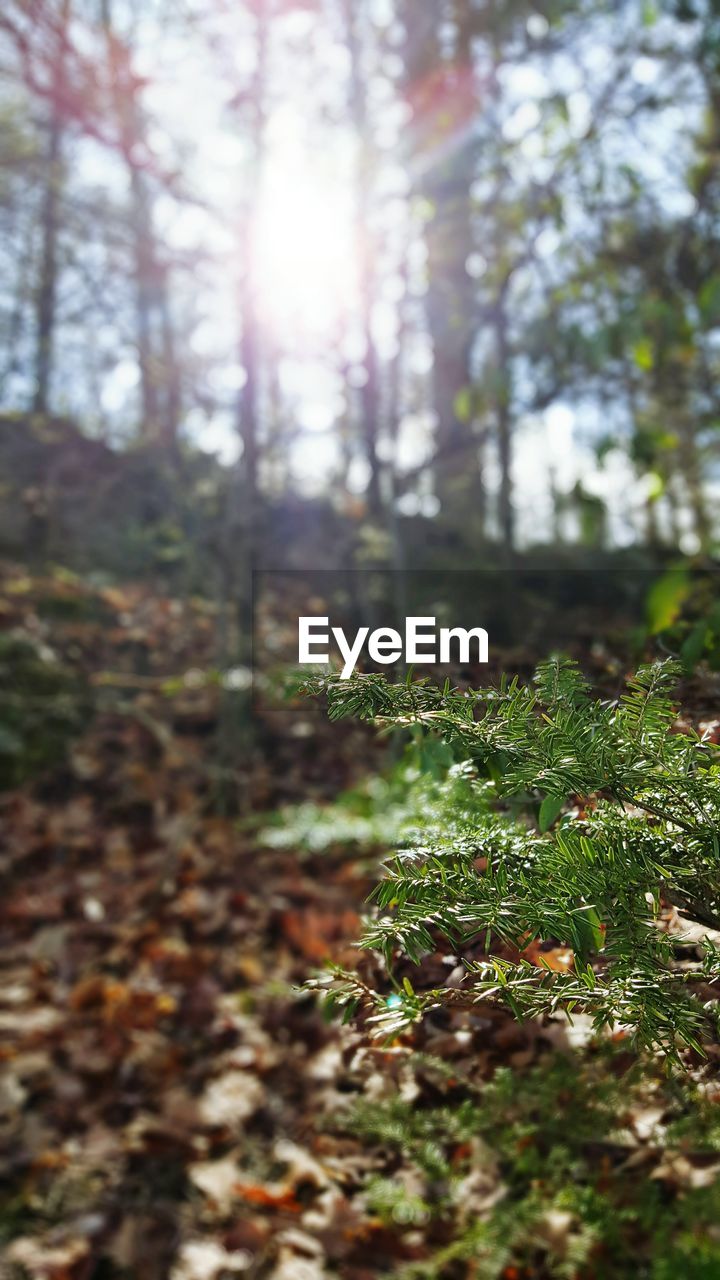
(50, 218)
(370, 390)
(159, 375)
(441, 94)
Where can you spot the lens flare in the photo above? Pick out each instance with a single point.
(304, 253)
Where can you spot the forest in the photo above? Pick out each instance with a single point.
(359, 639)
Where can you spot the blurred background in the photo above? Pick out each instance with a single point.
(316, 282)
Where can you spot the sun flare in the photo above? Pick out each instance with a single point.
(303, 266)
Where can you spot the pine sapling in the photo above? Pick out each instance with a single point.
(590, 815)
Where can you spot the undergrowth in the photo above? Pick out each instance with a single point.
(589, 818)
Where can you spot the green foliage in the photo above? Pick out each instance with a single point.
(539, 1170)
(44, 706)
(640, 827)
(685, 609)
(666, 599)
(412, 800)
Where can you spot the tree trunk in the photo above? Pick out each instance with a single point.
(370, 392)
(241, 535)
(442, 97)
(47, 287)
(145, 300)
(172, 407)
(250, 356)
(159, 375)
(693, 477)
(506, 513)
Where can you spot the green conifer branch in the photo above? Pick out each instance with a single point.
(629, 814)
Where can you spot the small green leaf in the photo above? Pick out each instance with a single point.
(549, 810)
(644, 354)
(694, 646)
(590, 932)
(665, 600)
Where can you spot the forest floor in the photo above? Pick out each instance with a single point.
(169, 1101)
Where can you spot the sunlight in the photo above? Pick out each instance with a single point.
(303, 270)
